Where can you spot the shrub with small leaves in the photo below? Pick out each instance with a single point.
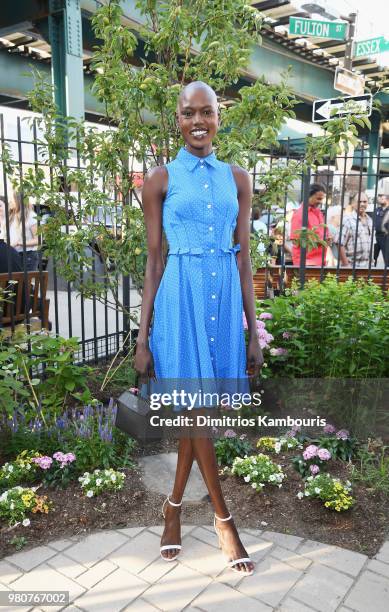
(331, 491)
(230, 447)
(101, 480)
(21, 470)
(258, 470)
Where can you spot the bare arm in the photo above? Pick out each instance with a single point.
(242, 236)
(153, 195)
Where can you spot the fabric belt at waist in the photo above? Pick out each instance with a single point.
(205, 251)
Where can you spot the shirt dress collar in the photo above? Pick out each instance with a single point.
(192, 161)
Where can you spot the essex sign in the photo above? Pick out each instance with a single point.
(300, 26)
(324, 110)
(371, 46)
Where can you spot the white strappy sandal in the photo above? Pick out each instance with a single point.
(234, 562)
(169, 546)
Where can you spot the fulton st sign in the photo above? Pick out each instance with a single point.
(300, 26)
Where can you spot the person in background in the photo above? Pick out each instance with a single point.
(381, 226)
(314, 257)
(259, 228)
(16, 229)
(354, 238)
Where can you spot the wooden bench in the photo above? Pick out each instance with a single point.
(267, 280)
(14, 315)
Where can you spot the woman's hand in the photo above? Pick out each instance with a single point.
(254, 357)
(144, 362)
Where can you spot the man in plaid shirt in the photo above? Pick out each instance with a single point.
(355, 239)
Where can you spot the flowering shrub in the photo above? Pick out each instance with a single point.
(101, 480)
(22, 469)
(258, 470)
(331, 491)
(340, 443)
(58, 469)
(15, 503)
(264, 337)
(231, 446)
(312, 459)
(276, 445)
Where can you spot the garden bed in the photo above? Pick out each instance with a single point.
(362, 528)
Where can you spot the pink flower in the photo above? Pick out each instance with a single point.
(43, 462)
(134, 390)
(278, 352)
(314, 469)
(310, 452)
(286, 335)
(329, 429)
(343, 434)
(229, 433)
(324, 454)
(296, 428)
(265, 315)
(245, 326)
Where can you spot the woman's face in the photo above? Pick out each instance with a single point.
(317, 198)
(198, 120)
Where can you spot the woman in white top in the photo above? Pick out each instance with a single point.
(15, 237)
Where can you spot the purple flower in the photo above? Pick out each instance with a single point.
(329, 429)
(229, 433)
(291, 433)
(310, 452)
(134, 390)
(43, 462)
(286, 335)
(265, 315)
(314, 469)
(343, 434)
(324, 454)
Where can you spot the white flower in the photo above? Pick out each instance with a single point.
(247, 478)
(310, 478)
(306, 493)
(113, 478)
(317, 490)
(277, 447)
(300, 494)
(279, 486)
(26, 522)
(254, 485)
(11, 506)
(255, 473)
(89, 493)
(28, 466)
(10, 468)
(98, 482)
(264, 523)
(272, 477)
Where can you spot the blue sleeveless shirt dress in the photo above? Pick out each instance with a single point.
(197, 337)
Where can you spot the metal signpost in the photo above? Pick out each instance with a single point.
(324, 110)
(371, 46)
(300, 26)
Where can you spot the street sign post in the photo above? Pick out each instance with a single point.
(371, 46)
(348, 82)
(300, 26)
(324, 110)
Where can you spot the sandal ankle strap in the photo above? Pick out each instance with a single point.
(223, 519)
(172, 503)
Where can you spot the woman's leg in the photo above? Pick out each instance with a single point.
(204, 452)
(172, 531)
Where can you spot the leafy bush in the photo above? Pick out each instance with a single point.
(101, 480)
(276, 445)
(330, 329)
(258, 470)
(58, 469)
(229, 447)
(15, 503)
(331, 491)
(22, 470)
(311, 461)
(372, 468)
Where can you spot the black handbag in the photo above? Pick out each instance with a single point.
(133, 415)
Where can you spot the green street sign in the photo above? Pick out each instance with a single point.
(300, 26)
(371, 46)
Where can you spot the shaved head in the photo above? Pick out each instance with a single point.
(193, 87)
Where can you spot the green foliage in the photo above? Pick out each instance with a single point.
(38, 372)
(101, 480)
(339, 448)
(227, 449)
(93, 452)
(372, 468)
(258, 470)
(20, 471)
(331, 491)
(338, 330)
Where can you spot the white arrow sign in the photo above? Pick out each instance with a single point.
(324, 110)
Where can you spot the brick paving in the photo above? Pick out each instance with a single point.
(121, 569)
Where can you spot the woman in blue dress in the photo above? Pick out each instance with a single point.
(197, 300)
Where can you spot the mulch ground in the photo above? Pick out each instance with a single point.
(362, 529)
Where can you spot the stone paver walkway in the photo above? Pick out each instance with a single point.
(121, 569)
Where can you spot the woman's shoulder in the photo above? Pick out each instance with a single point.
(242, 177)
